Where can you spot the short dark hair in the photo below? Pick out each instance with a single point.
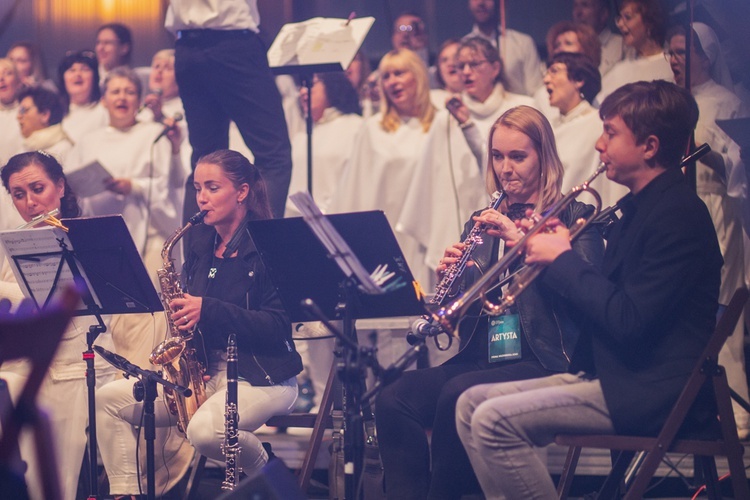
(447, 43)
(587, 38)
(340, 92)
(580, 69)
(45, 100)
(656, 108)
(239, 170)
(486, 49)
(123, 34)
(86, 57)
(68, 203)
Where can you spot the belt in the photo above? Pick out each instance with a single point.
(213, 34)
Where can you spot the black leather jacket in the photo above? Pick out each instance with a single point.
(545, 317)
(253, 310)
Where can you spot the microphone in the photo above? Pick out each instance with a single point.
(421, 329)
(113, 359)
(177, 118)
(156, 92)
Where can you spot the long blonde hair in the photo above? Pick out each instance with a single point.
(533, 124)
(405, 59)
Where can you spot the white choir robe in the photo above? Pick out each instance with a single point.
(10, 132)
(541, 102)
(575, 135)
(377, 177)
(613, 50)
(715, 102)
(333, 140)
(449, 183)
(647, 69)
(81, 120)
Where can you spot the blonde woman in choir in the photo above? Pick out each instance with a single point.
(27, 57)
(448, 184)
(78, 80)
(388, 147)
(37, 185)
(572, 81)
(642, 25)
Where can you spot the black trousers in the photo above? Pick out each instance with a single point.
(223, 77)
(426, 399)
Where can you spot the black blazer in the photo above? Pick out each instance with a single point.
(266, 353)
(650, 311)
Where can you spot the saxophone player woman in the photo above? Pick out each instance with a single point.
(227, 290)
(537, 335)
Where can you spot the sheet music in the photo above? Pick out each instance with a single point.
(35, 256)
(319, 41)
(335, 244)
(89, 179)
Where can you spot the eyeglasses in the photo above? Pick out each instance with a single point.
(86, 54)
(557, 68)
(22, 110)
(473, 65)
(413, 28)
(677, 54)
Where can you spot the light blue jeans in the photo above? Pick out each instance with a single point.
(500, 424)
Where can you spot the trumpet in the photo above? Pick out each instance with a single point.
(447, 317)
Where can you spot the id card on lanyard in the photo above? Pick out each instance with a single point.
(504, 334)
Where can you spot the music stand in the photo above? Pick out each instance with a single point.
(318, 45)
(99, 256)
(302, 269)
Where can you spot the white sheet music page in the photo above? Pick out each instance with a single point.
(35, 256)
(319, 40)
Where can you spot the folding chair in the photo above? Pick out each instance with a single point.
(34, 337)
(706, 369)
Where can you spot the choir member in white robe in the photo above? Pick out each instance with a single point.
(448, 184)
(447, 75)
(521, 64)
(641, 23)
(388, 147)
(595, 13)
(566, 36)
(141, 167)
(78, 81)
(39, 116)
(334, 105)
(10, 134)
(716, 102)
(37, 185)
(572, 81)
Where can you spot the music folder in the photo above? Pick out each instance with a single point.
(300, 267)
(97, 252)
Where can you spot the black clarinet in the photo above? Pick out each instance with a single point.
(231, 446)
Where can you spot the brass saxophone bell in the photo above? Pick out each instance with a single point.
(167, 351)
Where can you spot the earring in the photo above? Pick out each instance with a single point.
(582, 96)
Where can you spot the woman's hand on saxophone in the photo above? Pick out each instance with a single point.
(499, 226)
(186, 311)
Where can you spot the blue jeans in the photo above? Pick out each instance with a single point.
(500, 424)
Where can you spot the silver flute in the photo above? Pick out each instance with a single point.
(231, 446)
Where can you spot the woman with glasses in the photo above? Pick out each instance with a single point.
(448, 183)
(78, 80)
(642, 24)
(39, 117)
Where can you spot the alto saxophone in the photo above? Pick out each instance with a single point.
(176, 355)
(231, 445)
(426, 326)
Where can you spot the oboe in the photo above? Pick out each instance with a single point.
(231, 446)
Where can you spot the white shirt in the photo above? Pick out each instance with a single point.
(613, 50)
(576, 134)
(333, 140)
(127, 154)
(521, 64)
(649, 68)
(449, 185)
(377, 177)
(10, 132)
(212, 14)
(81, 120)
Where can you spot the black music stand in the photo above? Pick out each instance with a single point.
(99, 256)
(290, 54)
(303, 270)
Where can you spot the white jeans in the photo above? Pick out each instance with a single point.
(118, 415)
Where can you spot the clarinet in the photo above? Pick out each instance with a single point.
(231, 446)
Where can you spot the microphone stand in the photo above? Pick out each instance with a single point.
(144, 390)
